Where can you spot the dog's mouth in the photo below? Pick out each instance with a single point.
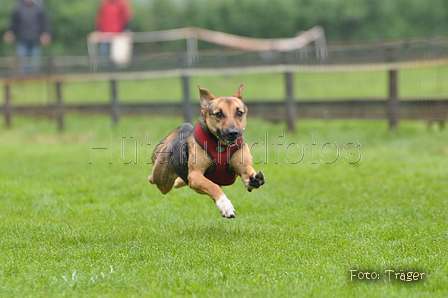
(231, 143)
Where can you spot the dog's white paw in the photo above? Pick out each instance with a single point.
(225, 207)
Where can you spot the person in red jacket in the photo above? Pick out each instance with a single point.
(113, 16)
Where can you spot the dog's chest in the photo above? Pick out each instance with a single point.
(219, 170)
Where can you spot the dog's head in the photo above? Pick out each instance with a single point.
(225, 117)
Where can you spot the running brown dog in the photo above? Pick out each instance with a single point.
(209, 155)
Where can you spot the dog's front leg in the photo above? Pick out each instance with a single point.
(241, 163)
(251, 179)
(200, 184)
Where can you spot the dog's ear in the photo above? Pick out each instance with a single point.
(206, 96)
(238, 94)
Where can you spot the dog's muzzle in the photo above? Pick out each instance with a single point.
(230, 136)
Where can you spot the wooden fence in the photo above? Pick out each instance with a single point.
(288, 109)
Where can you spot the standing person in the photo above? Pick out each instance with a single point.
(113, 16)
(29, 26)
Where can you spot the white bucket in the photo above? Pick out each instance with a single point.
(121, 50)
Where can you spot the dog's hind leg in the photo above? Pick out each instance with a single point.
(163, 175)
(179, 183)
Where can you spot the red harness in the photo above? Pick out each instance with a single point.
(219, 171)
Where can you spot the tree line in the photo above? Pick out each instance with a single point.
(342, 20)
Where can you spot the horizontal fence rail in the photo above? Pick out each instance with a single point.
(288, 109)
(414, 109)
(166, 57)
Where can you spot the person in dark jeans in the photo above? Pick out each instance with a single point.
(29, 26)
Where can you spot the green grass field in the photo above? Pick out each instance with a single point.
(339, 196)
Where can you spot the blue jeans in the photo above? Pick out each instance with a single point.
(29, 58)
(104, 48)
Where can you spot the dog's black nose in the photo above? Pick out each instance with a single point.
(233, 134)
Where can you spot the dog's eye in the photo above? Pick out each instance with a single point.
(219, 115)
(239, 113)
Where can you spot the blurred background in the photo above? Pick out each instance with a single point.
(353, 57)
(365, 22)
(344, 21)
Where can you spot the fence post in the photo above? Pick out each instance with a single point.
(290, 103)
(114, 102)
(187, 99)
(185, 77)
(393, 103)
(59, 107)
(8, 108)
(393, 100)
